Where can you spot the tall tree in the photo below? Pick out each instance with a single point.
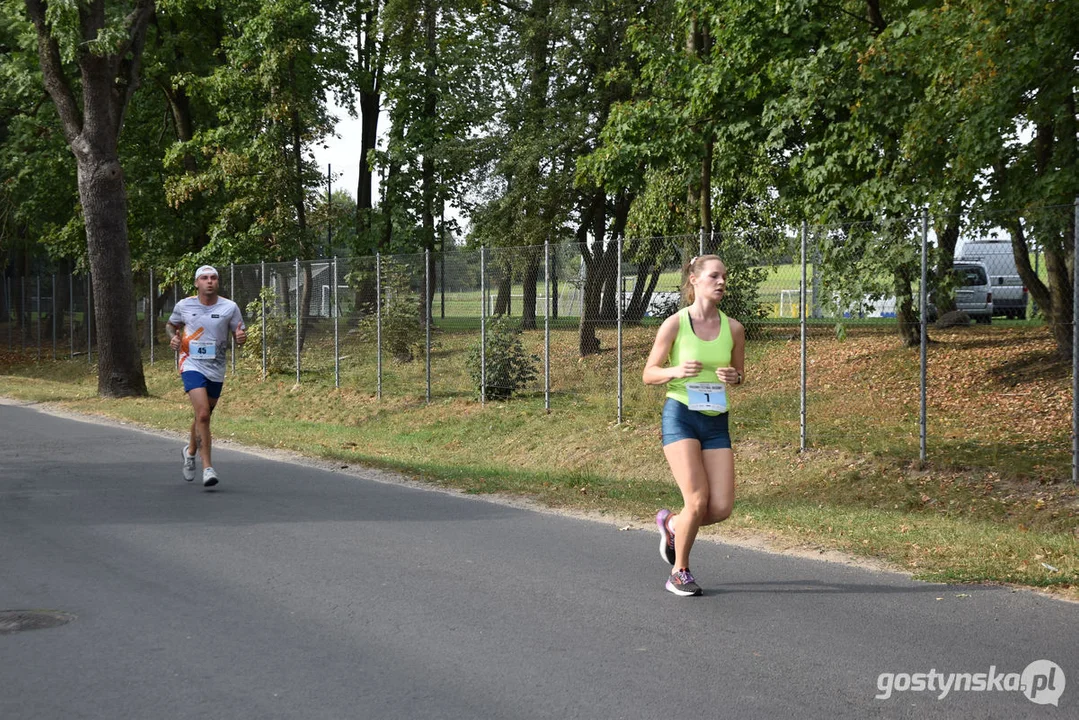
(105, 44)
(1003, 93)
(437, 98)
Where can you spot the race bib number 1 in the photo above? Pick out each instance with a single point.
(707, 396)
(203, 349)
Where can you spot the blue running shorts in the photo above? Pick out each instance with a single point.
(193, 379)
(681, 423)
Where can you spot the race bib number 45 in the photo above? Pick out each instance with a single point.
(203, 349)
(707, 396)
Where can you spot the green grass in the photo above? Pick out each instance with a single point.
(992, 505)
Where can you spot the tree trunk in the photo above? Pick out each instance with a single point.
(909, 323)
(387, 208)
(1038, 290)
(947, 238)
(875, 17)
(427, 166)
(430, 117)
(369, 50)
(643, 289)
(502, 299)
(1054, 297)
(183, 119)
(706, 192)
(284, 297)
(533, 256)
(554, 283)
(305, 302)
(611, 292)
(301, 213)
(596, 221)
(1058, 309)
(92, 131)
(369, 109)
(588, 342)
(698, 45)
(104, 207)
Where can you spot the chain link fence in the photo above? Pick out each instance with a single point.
(491, 323)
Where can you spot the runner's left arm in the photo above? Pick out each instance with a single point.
(736, 373)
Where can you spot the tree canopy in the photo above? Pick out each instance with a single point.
(731, 121)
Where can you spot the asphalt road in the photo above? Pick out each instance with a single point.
(295, 591)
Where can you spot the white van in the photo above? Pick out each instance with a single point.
(973, 293)
(1009, 294)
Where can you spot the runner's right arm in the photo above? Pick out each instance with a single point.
(175, 327)
(176, 333)
(654, 371)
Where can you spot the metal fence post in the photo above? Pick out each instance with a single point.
(817, 260)
(618, 305)
(1075, 348)
(71, 312)
(176, 301)
(298, 319)
(8, 313)
(336, 340)
(39, 317)
(547, 325)
(52, 306)
(151, 316)
(483, 325)
(23, 324)
(802, 415)
(262, 308)
(427, 317)
(924, 342)
(232, 296)
(378, 325)
(89, 314)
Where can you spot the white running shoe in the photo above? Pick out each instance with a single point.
(189, 465)
(209, 477)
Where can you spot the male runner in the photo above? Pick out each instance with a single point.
(200, 327)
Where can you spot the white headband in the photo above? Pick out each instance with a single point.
(206, 270)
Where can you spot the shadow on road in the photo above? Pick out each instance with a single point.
(787, 587)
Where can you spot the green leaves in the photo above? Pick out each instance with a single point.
(505, 367)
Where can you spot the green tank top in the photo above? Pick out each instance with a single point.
(712, 354)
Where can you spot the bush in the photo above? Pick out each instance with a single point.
(280, 337)
(403, 331)
(509, 367)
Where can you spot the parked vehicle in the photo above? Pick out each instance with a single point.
(973, 293)
(1009, 294)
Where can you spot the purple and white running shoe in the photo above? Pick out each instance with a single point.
(682, 583)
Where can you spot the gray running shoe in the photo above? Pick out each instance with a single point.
(666, 537)
(682, 583)
(209, 477)
(189, 465)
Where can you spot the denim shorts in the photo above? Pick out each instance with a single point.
(681, 423)
(193, 379)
